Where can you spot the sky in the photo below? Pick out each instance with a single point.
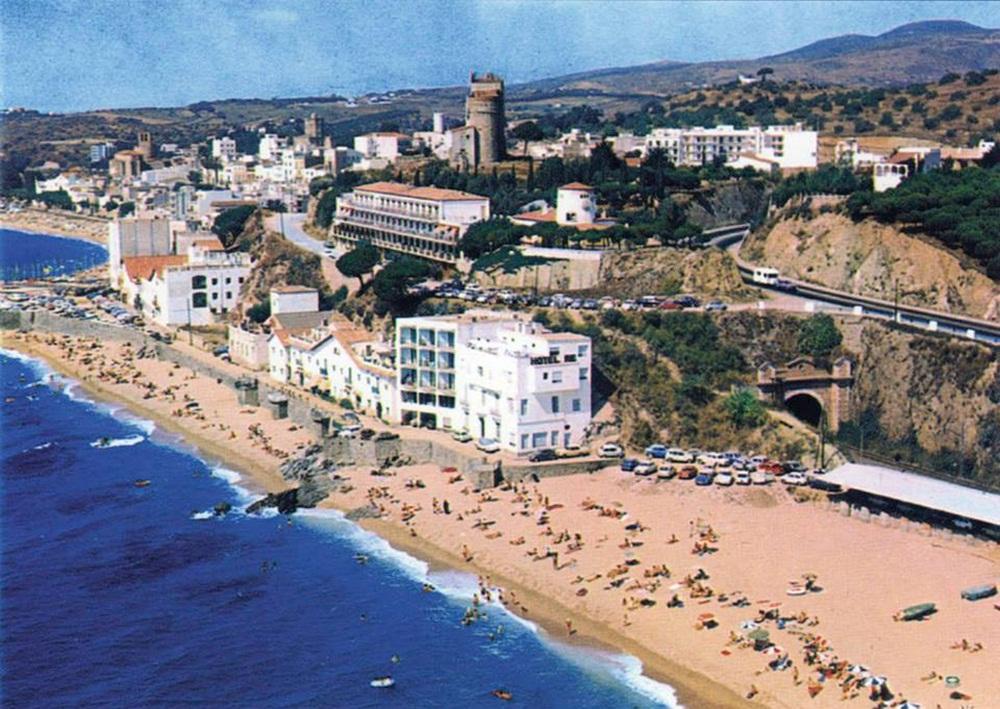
(71, 55)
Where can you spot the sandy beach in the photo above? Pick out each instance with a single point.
(58, 223)
(673, 574)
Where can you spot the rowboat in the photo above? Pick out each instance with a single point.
(976, 593)
(383, 682)
(921, 610)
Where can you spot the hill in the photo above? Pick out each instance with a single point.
(916, 52)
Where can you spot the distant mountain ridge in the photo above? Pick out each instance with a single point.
(915, 52)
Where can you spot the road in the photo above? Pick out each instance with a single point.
(291, 226)
(811, 297)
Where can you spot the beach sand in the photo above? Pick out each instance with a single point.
(761, 539)
(58, 223)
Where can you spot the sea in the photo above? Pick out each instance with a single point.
(113, 594)
(26, 255)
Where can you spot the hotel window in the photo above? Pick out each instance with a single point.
(198, 282)
(555, 438)
(584, 374)
(555, 404)
(199, 300)
(576, 405)
(581, 351)
(524, 407)
(228, 280)
(215, 281)
(538, 439)
(556, 377)
(553, 352)
(215, 296)
(229, 294)
(524, 440)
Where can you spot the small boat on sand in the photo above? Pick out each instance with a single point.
(383, 682)
(917, 612)
(977, 593)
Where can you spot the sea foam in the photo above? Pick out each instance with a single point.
(117, 442)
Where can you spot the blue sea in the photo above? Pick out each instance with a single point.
(24, 255)
(118, 595)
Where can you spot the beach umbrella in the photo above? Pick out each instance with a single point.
(759, 635)
(908, 705)
(706, 616)
(873, 681)
(857, 669)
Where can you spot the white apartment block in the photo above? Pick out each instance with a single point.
(270, 147)
(420, 221)
(224, 149)
(789, 146)
(194, 288)
(887, 176)
(495, 375)
(384, 145)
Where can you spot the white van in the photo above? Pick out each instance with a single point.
(766, 276)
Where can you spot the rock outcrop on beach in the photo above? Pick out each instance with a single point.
(316, 476)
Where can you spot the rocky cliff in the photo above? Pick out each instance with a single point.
(710, 273)
(727, 203)
(825, 247)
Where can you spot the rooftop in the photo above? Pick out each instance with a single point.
(293, 289)
(145, 267)
(434, 194)
(919, 490)
(577, 186)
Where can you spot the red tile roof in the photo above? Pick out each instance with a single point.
(577, 186)
(145, 267)
(435, 194)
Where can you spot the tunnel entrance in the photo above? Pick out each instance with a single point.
(805, 407)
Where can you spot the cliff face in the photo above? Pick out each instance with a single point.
(943, 394)
(710, 272)
(870, 259)
(732, 203)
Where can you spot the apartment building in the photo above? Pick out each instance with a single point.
(420, 221)
(193, 288)
(387, 145)
(224, 149)
(789, 146)
(495, 375)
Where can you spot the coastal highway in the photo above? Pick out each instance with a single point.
(290, 225)
(810, 296)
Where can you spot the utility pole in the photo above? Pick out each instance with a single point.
(190, 334)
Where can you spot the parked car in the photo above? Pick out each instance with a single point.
(713, 459)
(646, 467)
(629, 464)
(758, 478)
(704, 478)
(670, 305)
(666, 472)
(610, 450)
(543, 455)
(794, 479)
(657, 450)
(678, 455)
(351, 431)
(742, 477)
(793, 466)
(724, 479)
(715, 306)
(461, 436)
(785, 286)
(687, 472)
(687, 301)
(488, 445)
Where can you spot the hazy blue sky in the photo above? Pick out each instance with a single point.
(82, 54)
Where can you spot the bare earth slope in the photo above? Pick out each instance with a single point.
(869, 259)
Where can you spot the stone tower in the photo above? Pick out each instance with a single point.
(484, 111)
(145, 146)
(315, 129)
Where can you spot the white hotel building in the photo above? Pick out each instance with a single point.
(495, 375)
(789, 146)
(427, 222)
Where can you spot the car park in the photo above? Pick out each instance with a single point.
(542, 456)
(742, 477)
(704, 478)
(488, 445)
(713, 459)
(724, 479)
(758, 478)
(629, 464)
(657, 450)
(610, 450)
